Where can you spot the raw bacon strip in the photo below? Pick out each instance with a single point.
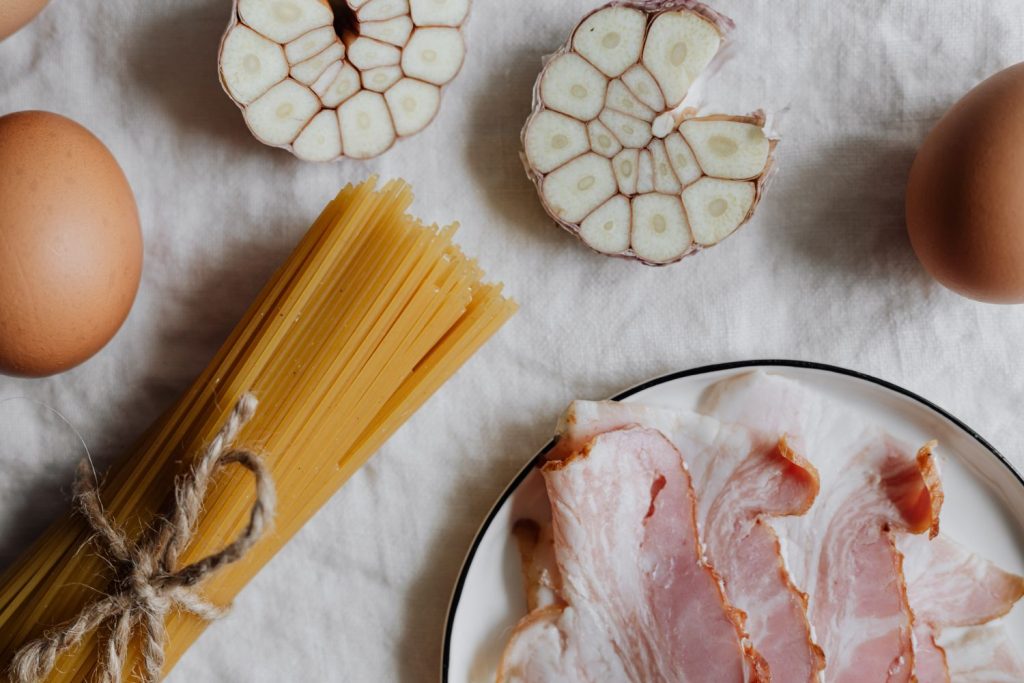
(984, 654)
(951, 587)
(930, 665)
(843, 551)
(859, 605)
(741, 479)
(537, 555)
(538, 650)
(641, 603)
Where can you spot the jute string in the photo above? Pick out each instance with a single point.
(147, 584)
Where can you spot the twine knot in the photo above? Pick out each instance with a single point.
(147, 582)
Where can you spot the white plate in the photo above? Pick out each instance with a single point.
(984, 505)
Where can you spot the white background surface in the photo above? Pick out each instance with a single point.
(824, 272)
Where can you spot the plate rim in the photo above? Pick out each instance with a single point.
(467, 561)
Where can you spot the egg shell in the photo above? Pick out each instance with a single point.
(70, 244)
(16, 13)
(965, 195)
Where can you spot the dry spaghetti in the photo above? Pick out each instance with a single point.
(371, 313)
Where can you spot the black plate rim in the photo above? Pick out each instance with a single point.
(701, 370)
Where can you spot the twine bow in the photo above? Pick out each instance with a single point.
(147, 584)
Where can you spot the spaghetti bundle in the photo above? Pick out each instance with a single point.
(371, 313)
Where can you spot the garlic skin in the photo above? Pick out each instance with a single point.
(618, 160)
(324, 96)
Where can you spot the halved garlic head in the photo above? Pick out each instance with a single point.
(617, 159)
(323, 96)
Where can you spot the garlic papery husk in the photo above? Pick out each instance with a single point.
(323, 96)
(617, 158)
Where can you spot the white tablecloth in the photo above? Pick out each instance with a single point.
(825, 273)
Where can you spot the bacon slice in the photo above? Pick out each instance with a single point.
(930, 665)
(951, 587)
(538, 650)
(541, 579)
(984, 654)
(741, 479)
(640, 602)
(843, 551)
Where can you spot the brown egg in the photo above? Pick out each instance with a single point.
(16, 13)
(70, 244)
(965, 197)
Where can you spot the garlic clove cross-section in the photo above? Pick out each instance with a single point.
(727, 148)
(279, 115)
(252, 65)
(323, 95)
(282, 21)
(617, 158)
(555, 139)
